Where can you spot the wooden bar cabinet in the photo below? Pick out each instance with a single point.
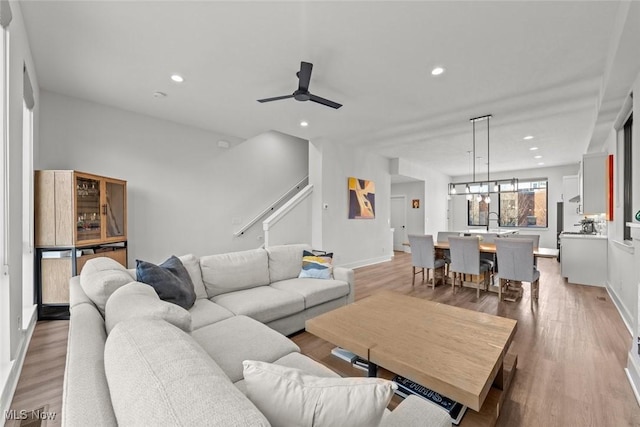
(78, 216)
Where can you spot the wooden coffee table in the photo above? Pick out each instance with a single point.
(459, 353)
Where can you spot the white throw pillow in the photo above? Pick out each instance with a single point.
(138, 300)
(290, 397)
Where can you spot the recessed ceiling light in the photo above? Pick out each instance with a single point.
(528, 137)
(533, 148)
(541, 164)
(177, 78)
(304, 124)
(437, 71)
(537, 157)
(159, 94)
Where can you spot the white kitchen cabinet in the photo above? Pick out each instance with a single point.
(583, 259)
(594, 181)
(570, 210)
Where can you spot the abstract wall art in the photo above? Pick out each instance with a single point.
(362, 199)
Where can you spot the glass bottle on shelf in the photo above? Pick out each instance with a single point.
(88, 208)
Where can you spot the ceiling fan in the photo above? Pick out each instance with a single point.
(303, 94)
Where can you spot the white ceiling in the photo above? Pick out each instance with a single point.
(538, 67)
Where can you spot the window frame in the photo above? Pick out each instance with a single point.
(627, 174)
(499, 198)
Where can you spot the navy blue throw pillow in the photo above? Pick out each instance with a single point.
(170, 280)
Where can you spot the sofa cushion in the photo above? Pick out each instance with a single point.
(291, 397)
(234, 271)
(170, 280)
(314, 291)
(238, 338)
(158, 375)
(316, 266)
(100, 277)
(263, 303)
(85, 400)
(204, 312)
(298, 361)
(285, 261)
(192, 264)
(139, 300)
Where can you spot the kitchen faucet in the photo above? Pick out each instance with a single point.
(489, 217)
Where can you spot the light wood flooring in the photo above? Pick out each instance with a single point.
(572, 350)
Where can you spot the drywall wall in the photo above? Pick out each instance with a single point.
(185, 194)
(435, 192)
(415, 216)
(354, 242)
(548, 237)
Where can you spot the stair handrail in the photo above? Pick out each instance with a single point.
(283, 210)
(271, 207)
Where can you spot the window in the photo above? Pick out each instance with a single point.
(524, 207)
(626, 181)
(478, 212)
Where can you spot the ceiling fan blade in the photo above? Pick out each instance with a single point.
(323, 101)
(304, 75)
(275, 98)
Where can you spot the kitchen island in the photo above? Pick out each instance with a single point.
(583, 258)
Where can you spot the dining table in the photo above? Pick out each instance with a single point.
(490, 248)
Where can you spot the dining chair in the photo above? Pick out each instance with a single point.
(443, 236)
(465, 259)
(423, 256)
(535, 238)
(515, 257)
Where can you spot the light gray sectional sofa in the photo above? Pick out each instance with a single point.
(135, 360)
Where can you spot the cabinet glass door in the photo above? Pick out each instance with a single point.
(115, 209)
(88, 209)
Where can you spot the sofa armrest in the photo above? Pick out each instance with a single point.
(414, 411)
(346, 275)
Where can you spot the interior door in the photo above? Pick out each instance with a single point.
(398, 221)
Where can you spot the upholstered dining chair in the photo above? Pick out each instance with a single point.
(443, 236)
(423, 256)
(465, 259)
(535, 238)
(515, 258)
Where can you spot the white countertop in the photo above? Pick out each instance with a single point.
(484, 231)
(584, 236)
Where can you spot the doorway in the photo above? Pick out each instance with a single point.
(399, 221)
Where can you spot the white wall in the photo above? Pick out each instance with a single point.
(554, 195)
(185, 195)
(435, 192)
(415, 217)
(13, 338)
(623, 277)
(354, 242)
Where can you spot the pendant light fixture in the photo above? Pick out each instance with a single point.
(482, 189)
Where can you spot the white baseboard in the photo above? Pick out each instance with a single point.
(625, 314)
(633, 374)
(9, 387)
(370, 261)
